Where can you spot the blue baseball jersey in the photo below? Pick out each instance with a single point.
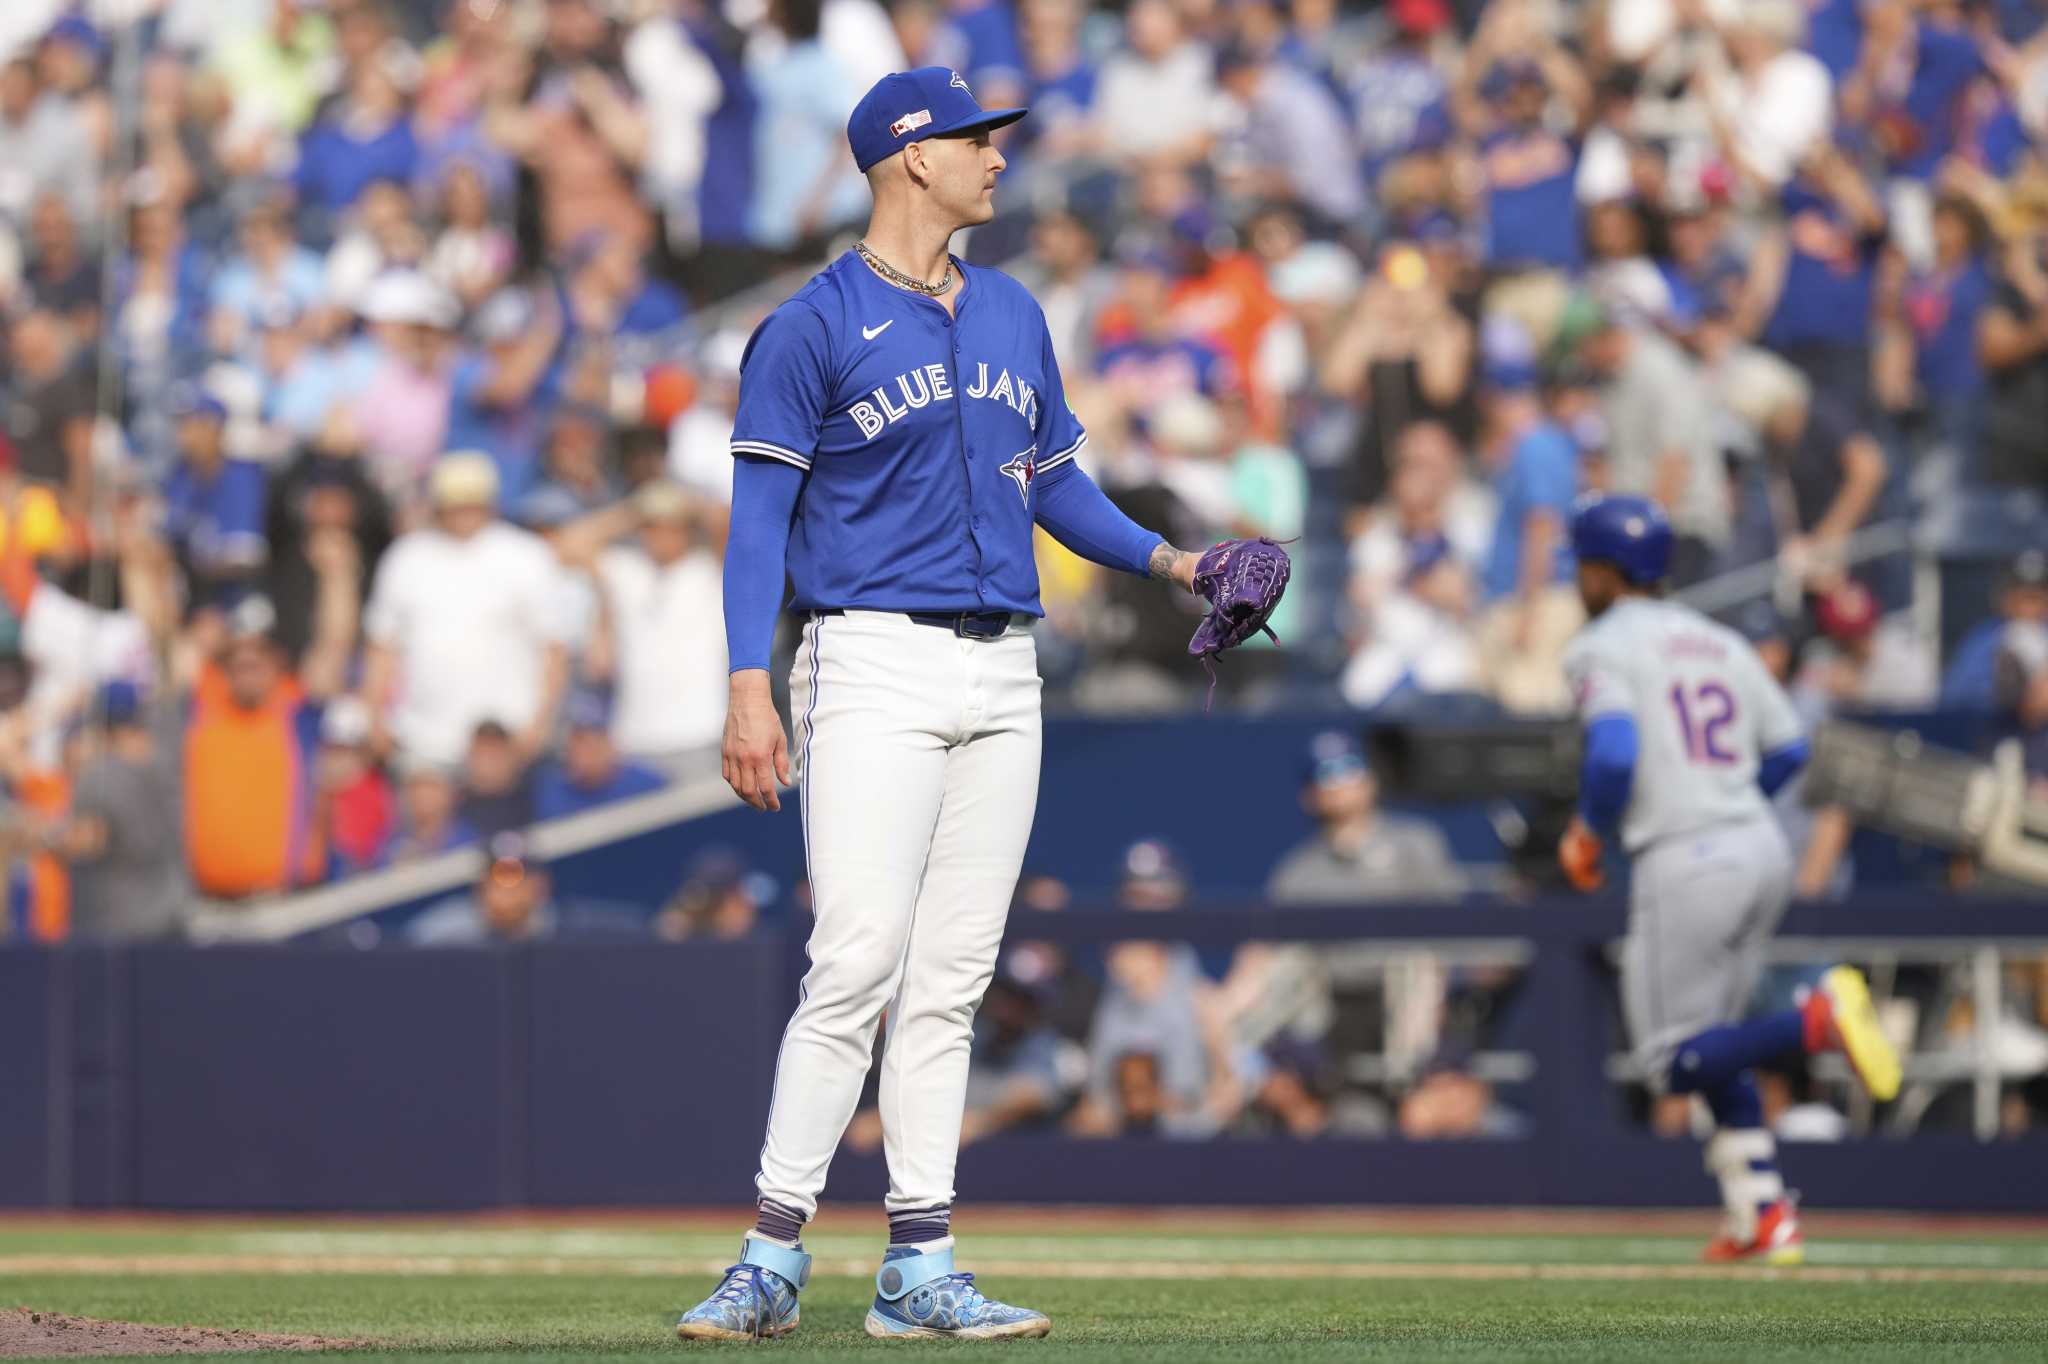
(922, 434)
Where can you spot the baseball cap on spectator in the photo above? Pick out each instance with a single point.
(1424, 17)
(546, 508)
(467, 478)
(345, 723)
(77, 31)
(1333, 756)
(662, 500)
(119, 703)
(2029, 569)
(253, 617)
(1756, 386)
(192, 400)
(505, 316)
(512, 858)
(1152, 862)
(588, 708)
(1847, 613)
(910, 106)
(420, 767)
(1759, 622)
(408, 298)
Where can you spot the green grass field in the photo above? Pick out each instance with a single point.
(1414, 1286)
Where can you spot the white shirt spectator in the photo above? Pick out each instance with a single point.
(1145, 106)
(1779, 115)
(73, 649)
(471, 622)
(671, 670)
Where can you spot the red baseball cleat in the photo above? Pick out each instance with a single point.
(1777, 1240)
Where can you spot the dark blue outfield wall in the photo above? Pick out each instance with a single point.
(301, 1077)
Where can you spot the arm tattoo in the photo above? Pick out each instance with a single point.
(1164, 558)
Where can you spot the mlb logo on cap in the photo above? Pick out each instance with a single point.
(910, 106)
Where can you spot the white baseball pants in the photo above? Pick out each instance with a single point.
(917, 752)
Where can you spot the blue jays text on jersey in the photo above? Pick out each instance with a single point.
(923, 434)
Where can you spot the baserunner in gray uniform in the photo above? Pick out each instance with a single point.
(1687, 736)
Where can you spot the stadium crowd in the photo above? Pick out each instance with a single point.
(370, 367)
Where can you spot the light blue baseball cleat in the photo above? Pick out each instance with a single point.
(919, 1296)
(757, 1300)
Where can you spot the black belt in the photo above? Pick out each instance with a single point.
(966, 624)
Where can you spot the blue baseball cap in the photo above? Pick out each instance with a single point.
(1333, 756)
(910, 106)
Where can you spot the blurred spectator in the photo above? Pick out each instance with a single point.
(2012, 343)
(2021, 609)
(1770, 102)
(62, 275)
(1813, 279)
(327, 528)
(1282, 991)
(354, 805)
(1832, 470)
(1450, 1101)
(1406, 353)
(429, 811)
(1533, 606)
(473, 255)
(366, 135)
(1513, 72)
(249, 751)
(590, 772)
(1019, 1072)
(513, 901)
(1412, 582)
(1292, 143)
(1660, 432)
(32, 521)
(122, 837)
(1065, 273)
(401, 414)
(1942, 308)
(659, 591)
(1157, 1057)
(1399, 96)
(271, 273)
(1358, 853)
(498, 785)
(803, 182)
(499, 397)
(45, 145)
(719, 900)
(50, 415)
(213, 505)
(1156, 98)
(459, 627)
(1863, 662)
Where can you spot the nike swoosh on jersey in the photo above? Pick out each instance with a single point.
(870, 333)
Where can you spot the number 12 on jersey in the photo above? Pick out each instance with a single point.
(1703, 718)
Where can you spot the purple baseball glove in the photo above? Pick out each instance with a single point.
(1243, 580)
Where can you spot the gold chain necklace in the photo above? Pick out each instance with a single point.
(901, 280)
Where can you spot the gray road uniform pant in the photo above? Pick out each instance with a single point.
(1702, 907)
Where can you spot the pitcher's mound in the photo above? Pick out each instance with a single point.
(42, 1335)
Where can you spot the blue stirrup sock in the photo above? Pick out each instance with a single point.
(1708, 1060)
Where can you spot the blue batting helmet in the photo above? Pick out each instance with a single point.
(1632, 533)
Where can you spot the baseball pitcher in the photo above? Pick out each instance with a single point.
(901, 429)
